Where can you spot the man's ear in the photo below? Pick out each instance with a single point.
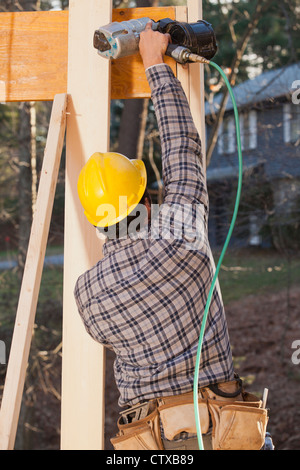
(147, 204)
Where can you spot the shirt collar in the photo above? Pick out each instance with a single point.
(120, 243)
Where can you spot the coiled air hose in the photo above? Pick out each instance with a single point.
(195, 58)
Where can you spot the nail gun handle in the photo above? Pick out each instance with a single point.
(178, 53)
(170, 50)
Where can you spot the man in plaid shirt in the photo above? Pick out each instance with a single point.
(146, 298)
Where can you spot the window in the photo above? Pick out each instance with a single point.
(226, 142)
(248, 125)
(291, 123)
(248, 128)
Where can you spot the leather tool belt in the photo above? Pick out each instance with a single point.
(237, 418)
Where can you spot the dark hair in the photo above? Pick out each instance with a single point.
(119, 228)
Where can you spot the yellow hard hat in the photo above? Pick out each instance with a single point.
(110, 186)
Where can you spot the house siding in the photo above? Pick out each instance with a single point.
(274, 160)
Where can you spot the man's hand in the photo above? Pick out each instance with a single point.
(153, 46)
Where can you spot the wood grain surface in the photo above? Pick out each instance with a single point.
(34, 56)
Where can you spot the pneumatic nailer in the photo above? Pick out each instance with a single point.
(121, 39)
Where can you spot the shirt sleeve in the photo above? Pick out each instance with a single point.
(182, 161)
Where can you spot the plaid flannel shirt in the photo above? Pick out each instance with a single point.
(146, 297)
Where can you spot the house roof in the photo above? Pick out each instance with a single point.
(266, 86)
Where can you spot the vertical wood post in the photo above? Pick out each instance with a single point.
(196, 72)
(88, 123)
(197, 98)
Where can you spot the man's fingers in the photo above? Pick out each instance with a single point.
(169, 38)
(148, 25)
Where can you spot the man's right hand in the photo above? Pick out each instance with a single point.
(153, 46)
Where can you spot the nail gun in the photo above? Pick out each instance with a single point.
(121, 39)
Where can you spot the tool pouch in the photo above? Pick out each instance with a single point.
(143, 434)
(238, 425)
(177, 415)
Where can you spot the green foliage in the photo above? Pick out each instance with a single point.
(273, 43)
(8, 123)
(277, 38)
(9, 118)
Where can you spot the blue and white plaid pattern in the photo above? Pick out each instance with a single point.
(145, 298)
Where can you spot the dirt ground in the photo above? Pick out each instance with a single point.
(262, 330)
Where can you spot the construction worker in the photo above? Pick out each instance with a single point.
(146, 297)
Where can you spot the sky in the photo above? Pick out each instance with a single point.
(56, 5)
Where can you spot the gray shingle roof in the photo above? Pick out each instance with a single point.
(266, 86)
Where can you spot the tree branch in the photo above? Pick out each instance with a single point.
(260, 8)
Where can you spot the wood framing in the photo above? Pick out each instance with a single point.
(43, 56)
(19, 352)
(196, 80)
(191, 76)
(88, 126)
(34, 55)
(87, 132)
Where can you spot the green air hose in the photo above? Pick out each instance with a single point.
(203, 324)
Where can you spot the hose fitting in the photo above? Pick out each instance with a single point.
(197, 58)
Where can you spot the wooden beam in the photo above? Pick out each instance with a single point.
(19, 352)
(88, 126)
(34, 55)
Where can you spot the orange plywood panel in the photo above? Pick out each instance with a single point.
(34, 56)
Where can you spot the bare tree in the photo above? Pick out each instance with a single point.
(27, 154)
(25, 182)
(260, 9)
